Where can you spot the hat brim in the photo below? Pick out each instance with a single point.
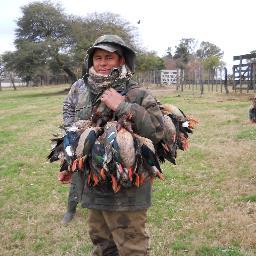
(105, 47)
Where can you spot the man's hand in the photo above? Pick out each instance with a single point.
(64, 177)
(112, 98)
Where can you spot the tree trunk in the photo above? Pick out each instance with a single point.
(1, 79)
(13, 82)
(226, 80)
(69, 72)
(201, 80)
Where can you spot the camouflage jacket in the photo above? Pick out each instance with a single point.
(148, 122)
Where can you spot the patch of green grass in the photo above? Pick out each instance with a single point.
(62, 189)
(248, 198)
(247, 134)
(194, 153)
(179, 247)
(39, 244)
(7, 136)
(66, 247)
(12, 168)
(85, 249)
(220, 176)
(18, 235)
(216, 194)
(218, 251)
(235, 105)
(230, 122)
(8, 105)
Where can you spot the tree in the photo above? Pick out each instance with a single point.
(63, 39)
(41, 21)
(1, 71)
(84, 31)
(26, 60)
(184, 51)
(169, 52)
(211, 62)
(211, 56)
(208, 49)
(44, 25)
(8, 63)
(253, 60)
(148, 61)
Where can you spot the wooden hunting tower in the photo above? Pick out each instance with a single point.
(245, 73)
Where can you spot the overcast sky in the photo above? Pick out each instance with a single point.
(228, 24)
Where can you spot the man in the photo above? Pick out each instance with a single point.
(116, 220)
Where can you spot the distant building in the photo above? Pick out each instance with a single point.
(170, 74)
(169, 77)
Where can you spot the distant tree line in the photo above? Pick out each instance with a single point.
(50, 43)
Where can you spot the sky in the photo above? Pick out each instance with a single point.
(163, 23)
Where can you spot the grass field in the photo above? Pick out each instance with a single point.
(206, 205)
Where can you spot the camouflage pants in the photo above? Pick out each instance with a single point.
(75, 191)
(118, 233)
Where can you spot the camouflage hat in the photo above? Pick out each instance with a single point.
(112, 43)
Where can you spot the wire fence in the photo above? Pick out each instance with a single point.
(220, 83)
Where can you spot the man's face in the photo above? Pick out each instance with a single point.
(104, 61)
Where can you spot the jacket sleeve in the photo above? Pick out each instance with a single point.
(70, 103)
(147, 118)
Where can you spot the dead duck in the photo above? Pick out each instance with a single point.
(183, 124)
(149, 157)
(119, 154)
(63, 148)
